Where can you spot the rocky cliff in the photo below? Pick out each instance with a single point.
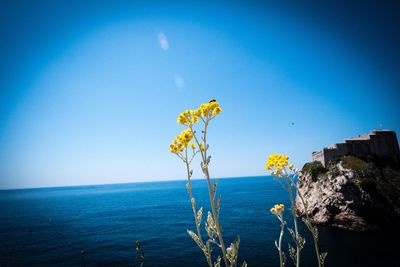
(354, 193)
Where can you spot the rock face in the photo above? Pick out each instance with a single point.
(351, 193)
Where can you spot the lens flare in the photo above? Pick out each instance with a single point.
(163, 41)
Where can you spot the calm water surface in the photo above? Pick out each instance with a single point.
(49, 227)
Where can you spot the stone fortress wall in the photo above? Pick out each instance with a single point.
(380, 143)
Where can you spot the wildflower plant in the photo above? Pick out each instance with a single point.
(286, 174)
(139, 254)
(278, 210)
(186, 146)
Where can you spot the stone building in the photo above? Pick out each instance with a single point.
(378, 143)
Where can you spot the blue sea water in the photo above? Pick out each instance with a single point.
(50, 226)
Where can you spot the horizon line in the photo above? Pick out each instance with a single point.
(121, 183)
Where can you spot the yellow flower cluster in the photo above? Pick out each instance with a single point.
(206, 111)
(189, 117)
(277, 162)
(181, 141)
(278, 209)
(210, 109)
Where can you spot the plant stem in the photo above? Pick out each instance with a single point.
(309, 221)
(295, 227)
(211, 195)
(210, 191)
(280, 242)
(216, 219)
(189, 188)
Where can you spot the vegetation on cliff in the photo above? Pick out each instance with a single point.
(314, 168)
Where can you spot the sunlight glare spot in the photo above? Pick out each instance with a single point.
(163, 41)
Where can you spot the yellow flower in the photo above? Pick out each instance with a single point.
(194, 119)
(277, 162)
(204, 111)
(278, 210)
(197, 113)
(172, 148)
(201, 147)
(208, 110)
(216, 111)
(188, 117)
(181, 142)
(186, 136)
(181, 119)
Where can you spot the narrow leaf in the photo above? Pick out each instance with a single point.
(199, 216)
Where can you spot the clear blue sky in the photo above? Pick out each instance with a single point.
(90, 91)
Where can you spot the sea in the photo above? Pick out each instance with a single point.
(51, 226)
